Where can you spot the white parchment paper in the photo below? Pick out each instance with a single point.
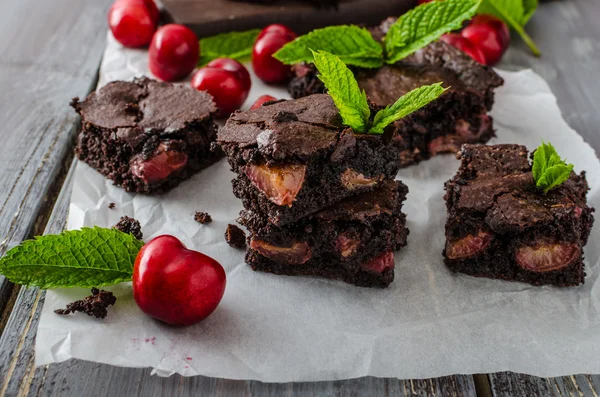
(428, 323)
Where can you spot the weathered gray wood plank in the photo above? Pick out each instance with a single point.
(49, 53)
(508, 384)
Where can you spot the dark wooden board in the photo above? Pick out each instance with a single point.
(207, 17)
(44, 62)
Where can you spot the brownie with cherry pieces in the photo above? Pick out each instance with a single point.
(353, 240)
(294, 158)
(500, 225)
(146, 136)
(459, 116)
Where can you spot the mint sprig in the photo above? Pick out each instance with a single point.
(405, 105)
(549, 170)
(343, 89)
(516, 13)
(234, 45)
(352, 102)
(425, 24)
(90, 257)
(352, 44)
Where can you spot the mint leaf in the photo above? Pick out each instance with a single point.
(343, 89)
(408, 103)
(516, 13)
(549, 170)
(234, 45)
(352, 44)
(424, 24)
(529, 8)
(90, 257)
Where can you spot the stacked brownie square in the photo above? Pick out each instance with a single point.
(318, 198)
(457, 117)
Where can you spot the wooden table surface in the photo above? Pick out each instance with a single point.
(50, 52)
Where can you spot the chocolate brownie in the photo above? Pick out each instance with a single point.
(458, 116)
(295, 157)
(235, 236)
(353, 240)
(146, 136)
(501, 226)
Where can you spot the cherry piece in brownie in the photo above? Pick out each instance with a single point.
(353, 240)
(458, 116)
(294, 158)
(146, 136)
(500, 225)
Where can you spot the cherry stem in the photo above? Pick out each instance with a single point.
(528, 40)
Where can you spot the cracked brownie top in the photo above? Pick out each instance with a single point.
(495, 183)
(145, 104)
(295, 129)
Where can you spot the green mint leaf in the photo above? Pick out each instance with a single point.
(529, 8)
(343, 89)
(234, 45)
(408, 103)
(90, 257)
(549, 170)
(425, 24)
(352, 44)
(516, 13)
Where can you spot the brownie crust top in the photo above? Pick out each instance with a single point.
(295, 128)
(147, 104)
(497, 182)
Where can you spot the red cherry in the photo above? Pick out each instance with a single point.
(261, 101)
(267, 68)
(278, 29)
(163, 162)
(424, 1)
(131, 22)
(457, 41)
(226, 88)
(173, 53)
(154, 12)
(490, 35)
(174, 284)
(233, 66)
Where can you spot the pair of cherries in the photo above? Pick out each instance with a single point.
(174, 49)
(228, 81)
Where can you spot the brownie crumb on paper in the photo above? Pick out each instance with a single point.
(235, 236)
(202, 217)
(93, 305)
(130, 225)
(111, 205)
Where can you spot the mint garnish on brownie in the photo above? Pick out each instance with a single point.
(352, 101)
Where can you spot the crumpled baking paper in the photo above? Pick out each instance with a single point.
(428, 323)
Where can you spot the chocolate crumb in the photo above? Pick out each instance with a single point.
(202, 217)
(235, 236)
(111, 205)
(94, 305)
(129, 225)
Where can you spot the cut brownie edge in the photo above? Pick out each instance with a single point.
(500, 225)
(146, 136)
(352, 240)
(359, 278)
